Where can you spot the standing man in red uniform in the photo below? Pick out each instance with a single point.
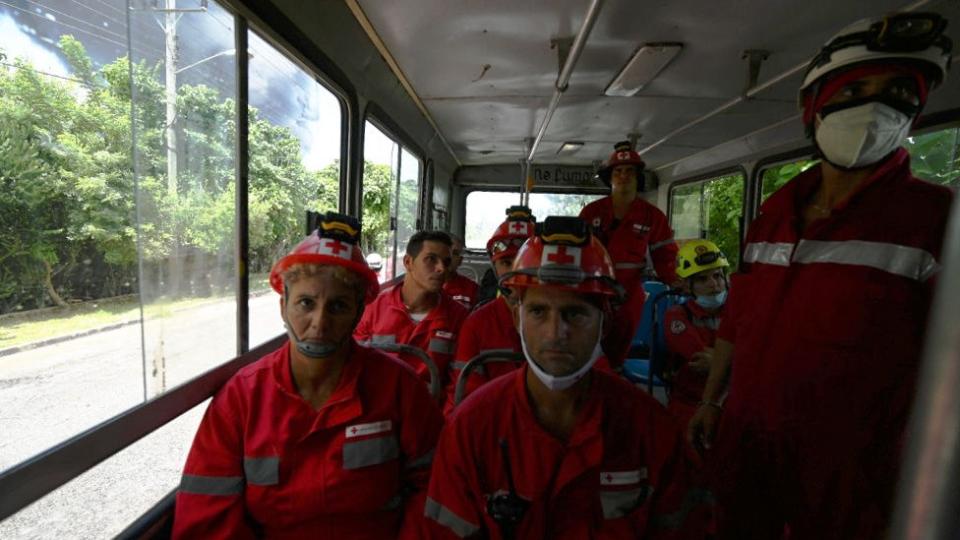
(458, 286)
(491, 326)
(321, 438)
(691, 328)
(416, 311)
(630, 228)
(556, 449)
(826, 322)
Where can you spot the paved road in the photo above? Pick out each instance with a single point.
(54, 392)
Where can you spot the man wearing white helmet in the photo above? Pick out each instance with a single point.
(826, 320)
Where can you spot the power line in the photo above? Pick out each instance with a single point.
(108, 40)
(35, 70)
(104, 15)
(68, 16)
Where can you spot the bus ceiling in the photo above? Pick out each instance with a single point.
(707, 82)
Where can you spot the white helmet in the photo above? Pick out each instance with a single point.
(909, 38)
(375, 261)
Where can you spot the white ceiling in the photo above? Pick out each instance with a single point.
(442, 47)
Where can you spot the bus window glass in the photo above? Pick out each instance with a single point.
(381, 156)
(711, 209)
(408, 195)
(485, 210)
(773, 178)
(117, 268)
(935, 157)
(294, 166)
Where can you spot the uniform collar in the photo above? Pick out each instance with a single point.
(791, 199)
(588, 423)
(700, 313)
(396, 302)
(344, 403)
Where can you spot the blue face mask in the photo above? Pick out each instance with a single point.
(712, 301)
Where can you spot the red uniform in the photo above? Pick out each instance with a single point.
(489, 327)
(828, 327)
(264, 463)
(386, 320)
(689, 329)
(621, 474)
(644, 228)
(463, 290)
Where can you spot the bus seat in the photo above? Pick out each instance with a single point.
(649, 342)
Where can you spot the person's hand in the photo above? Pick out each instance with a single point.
(700, 361)
(703, 426)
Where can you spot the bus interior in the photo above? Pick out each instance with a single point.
(470, 107)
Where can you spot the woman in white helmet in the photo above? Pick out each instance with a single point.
(828, 314)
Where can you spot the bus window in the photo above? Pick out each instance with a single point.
(294, 166)
(408, 196)
(774, 178)
(485, 210)
(391, 194)
(935, 157)
(711, 209)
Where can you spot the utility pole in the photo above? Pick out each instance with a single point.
(170, 33)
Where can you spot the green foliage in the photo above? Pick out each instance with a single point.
(379, 184)
(935, 157)
(711, 209)
(69, 197)
(774, 178)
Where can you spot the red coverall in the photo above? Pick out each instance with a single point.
(490, 326)
(386, 321)
(828, 327)
(644, 228)
(463, 290)
(264, 463)
(688, 331)
(622, 473)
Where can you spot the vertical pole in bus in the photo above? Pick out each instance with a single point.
(242, 181)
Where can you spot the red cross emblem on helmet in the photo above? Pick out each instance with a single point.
(334, 243)
(564, 254)
(511, 234)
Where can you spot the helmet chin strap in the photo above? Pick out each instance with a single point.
(310, 349)
(554, 382)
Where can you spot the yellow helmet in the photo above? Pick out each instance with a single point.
(698, 255)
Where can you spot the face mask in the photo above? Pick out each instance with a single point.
(553, 382)
(712, 301)
(862, 135)
(311, 349)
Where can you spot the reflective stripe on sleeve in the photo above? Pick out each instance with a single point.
(692, 499)
(658, 245)
(629, 266)
(444, 516)
(909, 262)
(777, 253)
(369, 452)
(211, 485)
(264, 471)
(442, 346)
(383, 339)
(617, 504)
(421, 462)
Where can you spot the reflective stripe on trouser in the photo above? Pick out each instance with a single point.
(264, 471)
(211, 485)
(617, 504)
(444, 516)
(909, 262)
(776, 253)
(369, 452)
(693, 499)
(442, 346)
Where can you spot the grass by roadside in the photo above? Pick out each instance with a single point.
(20, 328)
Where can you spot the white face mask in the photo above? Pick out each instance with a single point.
(862, 135)
(554, 382)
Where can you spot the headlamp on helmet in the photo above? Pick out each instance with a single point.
(564, 254)
(336, 241)
(623, 154)
(698, 256)
(512, 233)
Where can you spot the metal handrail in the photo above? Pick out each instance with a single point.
(928, 499)
(435, 386)
(493, 355)
(32, 479)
